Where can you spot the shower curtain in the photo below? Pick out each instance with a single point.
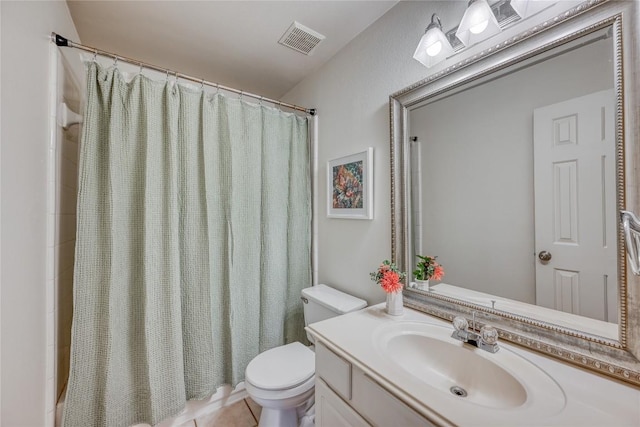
(193, 243)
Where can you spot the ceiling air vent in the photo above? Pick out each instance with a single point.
(300, 38)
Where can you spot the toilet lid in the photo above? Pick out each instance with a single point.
(282, 367)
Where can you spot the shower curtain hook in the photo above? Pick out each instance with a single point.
(217, 88)
(167, 74)
(140, 72)
(115, 62)
(241, 94)
(261, 98)
(202, 84)
(95, 55)
(280, 106)
(175, 83)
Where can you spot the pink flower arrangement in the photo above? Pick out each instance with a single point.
(388, 277)
(438, 272)
(427, 268)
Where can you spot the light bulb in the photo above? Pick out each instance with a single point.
(478, 28)
(478, 23)
(434, 49)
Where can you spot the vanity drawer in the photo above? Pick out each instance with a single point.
(334, 370)
(380, 407)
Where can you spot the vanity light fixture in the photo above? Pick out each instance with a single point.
(434, 47)
(478, 23)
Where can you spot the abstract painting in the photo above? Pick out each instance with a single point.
(350, 186)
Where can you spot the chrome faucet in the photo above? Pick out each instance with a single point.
(486, 340)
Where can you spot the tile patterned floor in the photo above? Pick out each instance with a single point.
(245, 413)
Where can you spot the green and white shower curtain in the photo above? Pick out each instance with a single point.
(193, 243)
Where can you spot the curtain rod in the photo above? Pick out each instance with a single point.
(64, 42)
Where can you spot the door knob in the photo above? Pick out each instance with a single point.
(544, 256)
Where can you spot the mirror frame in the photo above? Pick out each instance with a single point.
(615, 358)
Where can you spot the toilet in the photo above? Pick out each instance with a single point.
(282, 379)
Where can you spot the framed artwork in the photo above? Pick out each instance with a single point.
(350, 186)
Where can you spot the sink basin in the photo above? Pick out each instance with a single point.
(426, 355)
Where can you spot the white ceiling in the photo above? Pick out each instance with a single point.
(234, 43)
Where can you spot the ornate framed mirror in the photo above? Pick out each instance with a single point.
(513, 167)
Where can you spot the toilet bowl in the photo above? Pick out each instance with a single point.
(282, 379)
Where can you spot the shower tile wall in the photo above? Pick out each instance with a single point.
(63, 175)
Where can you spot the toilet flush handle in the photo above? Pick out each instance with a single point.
(304, 300)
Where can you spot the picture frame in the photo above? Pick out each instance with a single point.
(350, 186)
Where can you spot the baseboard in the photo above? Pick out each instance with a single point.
(224, 396)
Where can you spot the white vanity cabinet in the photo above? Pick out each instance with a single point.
(347, 396)
(362, 379)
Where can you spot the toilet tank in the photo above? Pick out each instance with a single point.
(323, 302)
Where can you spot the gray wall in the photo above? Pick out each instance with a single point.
(351, 93)
(27, 326)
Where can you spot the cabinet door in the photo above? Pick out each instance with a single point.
(334, 370)
(380, 407)
(332, 411)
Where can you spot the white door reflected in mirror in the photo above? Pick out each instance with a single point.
(575, 205)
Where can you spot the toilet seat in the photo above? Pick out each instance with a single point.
(300, 392)
(282, 368)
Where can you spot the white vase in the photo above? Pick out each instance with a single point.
(423, 285)
(394, 303)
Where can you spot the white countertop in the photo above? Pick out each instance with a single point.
(589, 399)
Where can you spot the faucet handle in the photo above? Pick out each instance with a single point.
(460, 323)
(489, 334)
